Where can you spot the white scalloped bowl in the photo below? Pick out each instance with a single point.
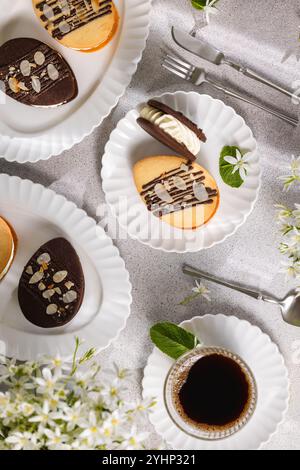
(129, 143)
(30, 134)
(262, 357)
(38, 215)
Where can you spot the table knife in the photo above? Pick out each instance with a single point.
(207, 52)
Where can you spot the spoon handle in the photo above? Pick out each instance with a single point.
(190, 271)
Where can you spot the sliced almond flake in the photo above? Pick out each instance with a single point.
(41, 286)
(52, 72)
(70, 297)
(95, 5)
(162, 193)
(60, 276)
(69, 285)
(179, 183)
(29, 270)
(184, 167)
(44, 259)
(39, 58)
(65, 8)
(52, 309)
(36, 84)
(64, 27)
(23, 87)
(48, 294)
(25, 68)
(13, 84)
(37, 277)
(58, 290)
(48, 12)
(200, 192)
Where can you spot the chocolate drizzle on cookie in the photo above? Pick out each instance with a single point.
(52, 285)
(36, 75)
(177, 190)
(62, 17)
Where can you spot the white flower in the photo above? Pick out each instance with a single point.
(47, 384)
(56, 440)
(210, 9)
(26, 409)
(22, 441)
(49, 408)
(74, 416)
(290, 268)
(201, 290)
(133, 440)
(293, 175)
(43, 415)
(240, 163)
(92, 431)
(56, 362)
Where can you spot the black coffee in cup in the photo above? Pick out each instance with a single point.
(212, 390)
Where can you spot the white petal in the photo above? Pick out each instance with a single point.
(243, 173)
(231, 160)
(236, 168)
(238, 154)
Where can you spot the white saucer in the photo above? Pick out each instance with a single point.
(30, 134)
(129, 143)
(268, 368)
(38, 215)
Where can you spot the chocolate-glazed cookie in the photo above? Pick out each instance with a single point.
(51, 288)
(172, 129)
(36, 75)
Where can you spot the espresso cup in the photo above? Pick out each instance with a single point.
(179, 384)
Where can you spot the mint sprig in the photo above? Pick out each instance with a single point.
(199, 4)
(226, 169)
(173, 340)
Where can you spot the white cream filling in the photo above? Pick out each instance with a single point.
(5, 270)
(173, 127)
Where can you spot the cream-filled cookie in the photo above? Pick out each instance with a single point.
(182, 194)
(172, 129)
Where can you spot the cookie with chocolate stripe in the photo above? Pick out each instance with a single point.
(84, 25)
(180, 193)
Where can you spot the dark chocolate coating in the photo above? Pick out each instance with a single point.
(60, 89)
(165, 138)
(158, 134)
(32, 300)
(164, 108)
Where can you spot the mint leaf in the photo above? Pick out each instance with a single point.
(199, 4)
(226, 169)
(172, 340)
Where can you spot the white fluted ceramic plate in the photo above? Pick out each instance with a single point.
(38, 215)
(129, 143)
(263, 358)
(30, 134)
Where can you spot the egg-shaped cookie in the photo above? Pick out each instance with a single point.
(51, 288)
(83, 25)
(8, 245)
(182, 194)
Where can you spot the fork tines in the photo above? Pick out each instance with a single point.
(178, 67)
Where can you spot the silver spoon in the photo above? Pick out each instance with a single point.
(289, 306)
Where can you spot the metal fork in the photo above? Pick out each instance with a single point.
(197, 76)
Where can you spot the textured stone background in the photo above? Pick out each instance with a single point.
(257, 33)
